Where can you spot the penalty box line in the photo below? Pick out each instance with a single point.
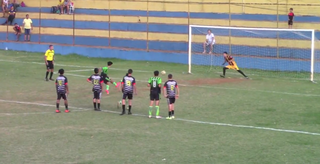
(214, 87)
(209, 87)
(178, 119)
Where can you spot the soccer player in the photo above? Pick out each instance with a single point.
(104, 75)
(171, 92)
(290, 18)
(97, 81)
(232, 65)
(62, 90)
(155, 90)
(209, 42)
(49, 61)
(128, 86)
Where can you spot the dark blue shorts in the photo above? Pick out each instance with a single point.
(27, 31)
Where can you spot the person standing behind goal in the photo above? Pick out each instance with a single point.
(210, 40)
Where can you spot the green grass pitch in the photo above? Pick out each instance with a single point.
(263, 120)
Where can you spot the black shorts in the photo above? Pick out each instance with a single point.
(27, 31)
(290, 22)
(171, 100)
(105, 77)
(61, 95)
(154, 96)
(50, 65)
(97, 95)
(127, 95)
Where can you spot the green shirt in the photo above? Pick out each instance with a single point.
(105, 70)
(154, 84)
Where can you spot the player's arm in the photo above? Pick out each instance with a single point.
(89, 80)
(164, 90)
(178, 90)
(225, 60)
(53, 59)
(45, 57)
(122, 85)
(101, 82)
(149, 82)
(159, 84)
(134, 86)
(67, 86)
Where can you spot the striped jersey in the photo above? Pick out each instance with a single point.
(154, 84)
(128, 82)
(171, 86)
(61, 83)
(229, 59)
(96, 81)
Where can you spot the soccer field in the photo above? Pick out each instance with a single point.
(232, 120)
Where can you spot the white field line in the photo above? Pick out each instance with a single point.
(80, 70)
(178, 119)
(212, 87)
(226, 88)
(37, 104)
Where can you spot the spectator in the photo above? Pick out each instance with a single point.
(71, 7)
(290, 18)
(210, 41)
(17, 30)
(60, 6)
(66, 6)
(4, 6)
(27, 25)
(12, 15)
(15, 4)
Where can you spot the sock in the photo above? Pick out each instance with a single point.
(107, 87)
(224, 71)
(157, 107)
(66, 106)
(123, 108)
(114, 83)
(150, 110)
(169, 113)
(57, 105)
(242, 73)
(51, 73)
(172, 112)
(129, 108)
(98, 105)
(95, 105)
(47, 73)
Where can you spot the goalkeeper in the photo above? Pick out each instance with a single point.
(104, 76)
(232, 65)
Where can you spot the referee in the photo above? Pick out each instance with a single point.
(49, 61)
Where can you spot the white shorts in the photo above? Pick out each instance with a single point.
(209, 43)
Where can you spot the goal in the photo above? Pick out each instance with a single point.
(288, 53)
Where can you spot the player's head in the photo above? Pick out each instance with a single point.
(225, 54)
(110, 63)
(291, 9)
(156, 73)
(27, 16)
(209, 31)
(16, 24)
(96, 70)
(61, 71)
(130, 71)
(51, 47)
(170, 76)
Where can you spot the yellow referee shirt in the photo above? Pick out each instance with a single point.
(49, 54)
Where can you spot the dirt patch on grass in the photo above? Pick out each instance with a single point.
(214, 81)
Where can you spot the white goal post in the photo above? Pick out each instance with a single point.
(268, 52)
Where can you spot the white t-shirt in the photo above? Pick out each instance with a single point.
(5, 2)
(210, 38)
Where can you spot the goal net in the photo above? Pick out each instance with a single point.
(288, 53)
